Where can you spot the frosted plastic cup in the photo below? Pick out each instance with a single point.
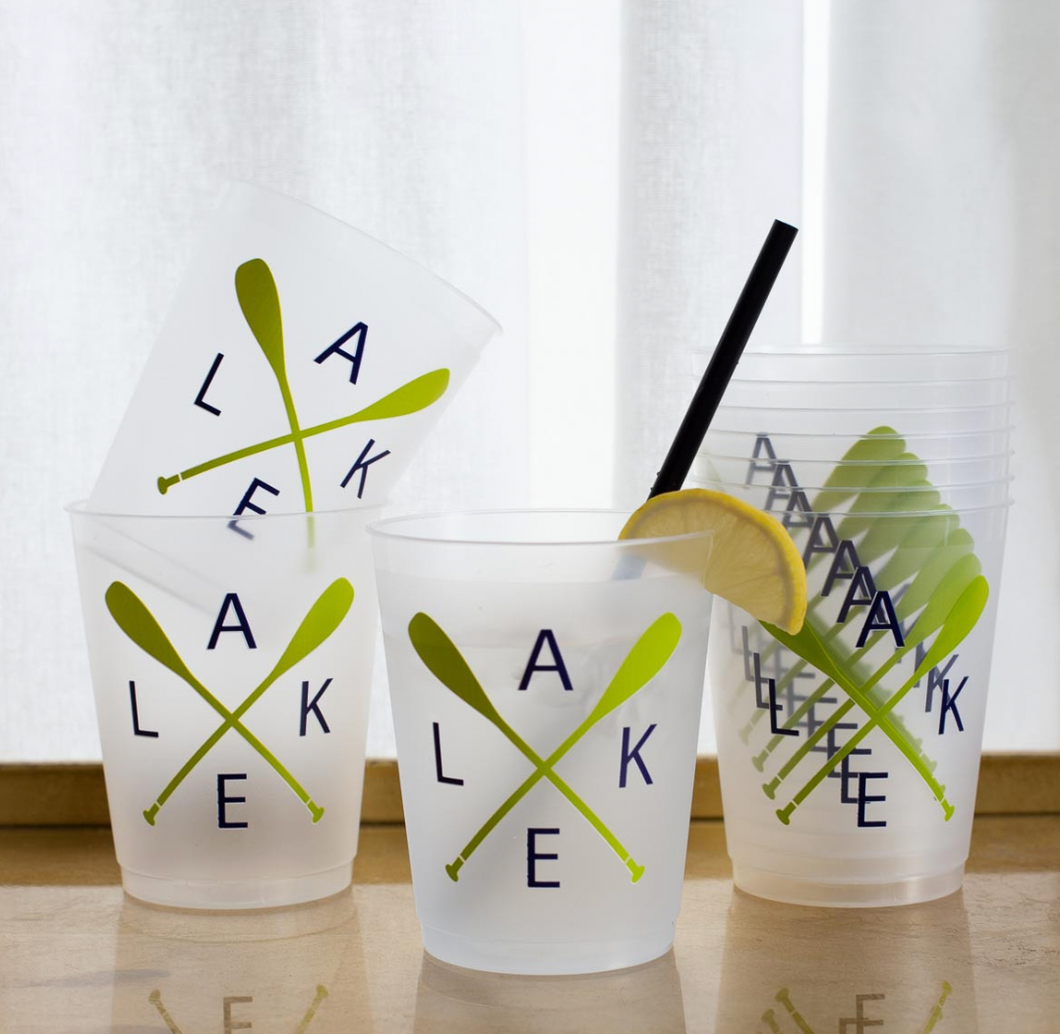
(301, 366)
(231, 662)
(849, 766)
(869, 394)
(643, 1000)
(289, 970)
(862, 474)
(834, 448)
(853, 363)
(854, 420)
(522, 643)
(910, 496)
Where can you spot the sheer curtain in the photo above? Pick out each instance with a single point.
(119, 123)
(942, 188)
(598, 175)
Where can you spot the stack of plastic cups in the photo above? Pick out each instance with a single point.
(849, 752)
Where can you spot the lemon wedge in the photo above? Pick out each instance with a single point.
(753, 562)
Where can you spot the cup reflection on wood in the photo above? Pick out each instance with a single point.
(642, 1000)
(810, 971)
(292, 971)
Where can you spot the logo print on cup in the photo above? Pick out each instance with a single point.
(644, 661)
(260, 303)
(944, 596)
(140, 625)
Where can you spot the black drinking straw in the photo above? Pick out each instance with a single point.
(723, 362)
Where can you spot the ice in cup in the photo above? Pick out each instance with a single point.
(546, 682)
(231, 662)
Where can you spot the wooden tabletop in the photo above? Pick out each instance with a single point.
(78, 956)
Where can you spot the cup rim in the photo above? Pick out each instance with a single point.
(967, 486)
(388, 528)
(79, 508)
(941, 511)
(848, 350)
(868, 436)
(941, 460)
(910, 410)
(848, 383)
(247, 185)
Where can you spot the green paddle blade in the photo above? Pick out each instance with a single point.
(962, 618)
(445, 662)
(643, 662)
(139, 624)
(879, 446)
(909, 560)
(847, 481)
(324, 617)
(260, 302)
(906, 533)
(409, 398)
(808, 644)
(931, 590)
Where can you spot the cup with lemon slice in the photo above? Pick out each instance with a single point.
(848, 663)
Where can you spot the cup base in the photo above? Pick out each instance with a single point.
(543, 958)
(798, 890)
(236, 894)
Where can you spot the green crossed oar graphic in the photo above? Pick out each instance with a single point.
(644, 661)
(936, 586)
(960, 620)
(940, 582)
(139, 624)
(907, 543)
(896, 470)
(907, 539)
(260, 304)
(810, 646)
(948, 546)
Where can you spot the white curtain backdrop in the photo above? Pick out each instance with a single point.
(711, 154)
(942, 226)
(598, 175)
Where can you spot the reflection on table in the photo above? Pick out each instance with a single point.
(793, 970)
(642, 1000)
(288, 970)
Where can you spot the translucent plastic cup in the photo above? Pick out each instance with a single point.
(873, 363)
(849, 754)
(862, 474)
(857, 420)
(899, 394)
(546, 682)
(301, 366)
(835, 447)
(231, 662)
